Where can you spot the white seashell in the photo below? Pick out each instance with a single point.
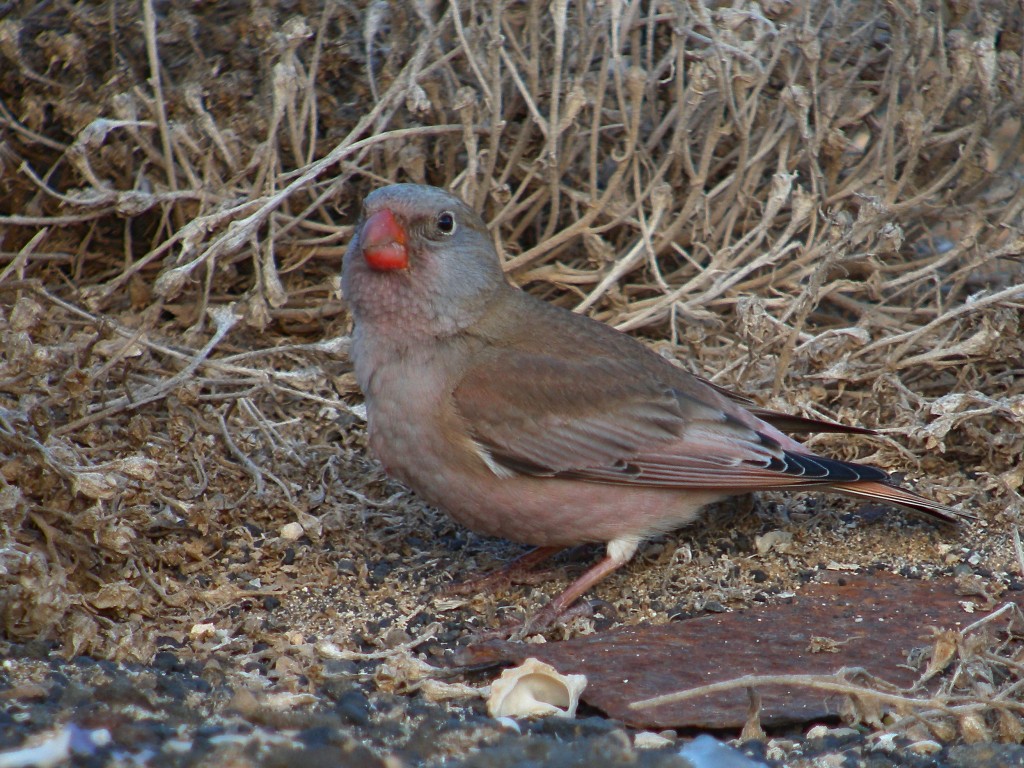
(535, 689)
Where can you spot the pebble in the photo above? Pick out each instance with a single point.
(650, 740)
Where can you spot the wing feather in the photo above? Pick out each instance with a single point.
(550, 418)
(591, 404)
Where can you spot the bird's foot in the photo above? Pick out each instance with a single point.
(550, 616)
(498, 581)
(519, 571)
(553, 614)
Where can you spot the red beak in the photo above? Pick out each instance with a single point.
(383, 241)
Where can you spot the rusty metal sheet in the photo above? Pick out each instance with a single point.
(875, 621)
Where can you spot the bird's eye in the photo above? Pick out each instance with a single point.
(446, 223)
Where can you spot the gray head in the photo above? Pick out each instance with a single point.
(421, 262)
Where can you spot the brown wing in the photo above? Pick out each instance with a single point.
(568, 397)
(606, 420)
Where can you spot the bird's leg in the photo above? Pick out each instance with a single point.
(620, 551)
(562, 608)
(515, 572)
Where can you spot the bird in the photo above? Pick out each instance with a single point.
(526, 421)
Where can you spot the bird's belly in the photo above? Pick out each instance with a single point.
(555, 512)
(539, 511)
(410, 450)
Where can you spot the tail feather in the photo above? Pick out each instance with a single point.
(784, 421)
(801, 425)
(891, 494)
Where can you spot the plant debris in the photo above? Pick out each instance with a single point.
(818, 205)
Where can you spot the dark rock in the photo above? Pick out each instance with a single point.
(986, 756)
(353, 707)
(165, 661)
(270, 602)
